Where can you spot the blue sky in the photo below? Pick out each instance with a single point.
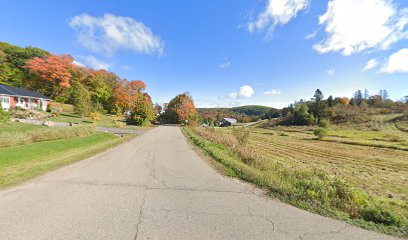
(226, 53)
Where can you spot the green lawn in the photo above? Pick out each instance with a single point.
(21, 163)
(12, 127)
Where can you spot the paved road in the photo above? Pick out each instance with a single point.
(154, 187)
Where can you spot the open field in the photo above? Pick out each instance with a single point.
(106, 120)
(367, 170)
(21, 163)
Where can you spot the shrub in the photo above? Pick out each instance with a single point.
(4, 116)
(95, 116)
(320, 133)
(323, 123)
(119, 124)
(81, 99)
(378, 214)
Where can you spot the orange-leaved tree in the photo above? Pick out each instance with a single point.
(125, 94)
(55, 71)
(181, 109)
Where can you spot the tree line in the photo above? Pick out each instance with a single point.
(342, 109)
(60, 78)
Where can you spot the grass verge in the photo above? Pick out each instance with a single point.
(20, 163)
(312, 190)
(15, 137)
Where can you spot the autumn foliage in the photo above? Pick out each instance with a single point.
(181, 109)
(56, 69)
(89, 90)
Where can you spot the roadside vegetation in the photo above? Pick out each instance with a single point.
(18, 134)
(362, 185)
(339, 157)
(21, 163)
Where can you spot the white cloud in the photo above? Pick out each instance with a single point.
(126, 67)
(110, 33)
(225, 64)
(311, 35)
(77, 63)
(93, 62)
(356, 25)
(396, 62)
(272, 92)
(244, 92)
(331, 71)
(215, 103)
(277, 12)
(373, 63)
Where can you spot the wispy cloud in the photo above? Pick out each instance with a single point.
(311, 35)
(371, 64)
(277, 12)
(357, 25)
(225, 64)
(110, 33)
(272, 92)
(93, 62)
(331, 71)
(126, 67)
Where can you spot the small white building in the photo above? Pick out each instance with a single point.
(12, 97)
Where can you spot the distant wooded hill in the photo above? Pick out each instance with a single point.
(242, 114)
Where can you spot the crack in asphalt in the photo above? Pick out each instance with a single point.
(151, 166)
(155, 188)
(139, 221)
(337, 231)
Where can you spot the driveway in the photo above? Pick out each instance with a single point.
(155, 187)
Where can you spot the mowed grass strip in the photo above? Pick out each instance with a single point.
(26, 135)
(21, 163)
(301, 182)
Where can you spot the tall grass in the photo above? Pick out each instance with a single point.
(314, 190)
(15, 138)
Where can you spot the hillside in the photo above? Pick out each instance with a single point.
(249, 113)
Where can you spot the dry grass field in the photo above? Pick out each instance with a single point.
(380, 170)
(361, 170)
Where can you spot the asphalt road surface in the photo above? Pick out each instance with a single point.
(155, 187)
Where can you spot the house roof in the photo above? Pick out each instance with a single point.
(231, 120)
(20, 92)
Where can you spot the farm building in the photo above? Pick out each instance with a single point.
(12, 97)
(226, 122)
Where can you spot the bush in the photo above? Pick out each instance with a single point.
(4, 116)
(81, 98)
(95, 116)
(320, 133)
(323, 123)
(378, 214)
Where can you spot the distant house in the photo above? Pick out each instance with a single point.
(226, 122)
(12, 97)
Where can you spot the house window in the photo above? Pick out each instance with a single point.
(5, 100)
